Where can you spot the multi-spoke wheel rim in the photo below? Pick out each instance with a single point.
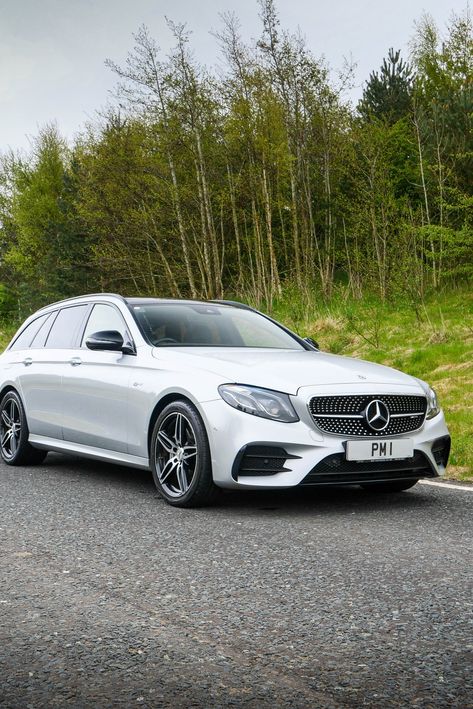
(10, 428)
(176, 454)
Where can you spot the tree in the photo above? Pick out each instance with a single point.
(388, 93)
(49, 253)
(170, 96)
(126, 203)
(443, 119)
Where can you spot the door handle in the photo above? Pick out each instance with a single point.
(75, 361)
(27, 361)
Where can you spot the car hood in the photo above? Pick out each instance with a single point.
(282, 370)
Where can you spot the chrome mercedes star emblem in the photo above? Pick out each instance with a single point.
(377, 415)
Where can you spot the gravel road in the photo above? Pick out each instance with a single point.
(110, 598)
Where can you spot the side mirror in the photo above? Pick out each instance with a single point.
(312, 342)
(109, 340)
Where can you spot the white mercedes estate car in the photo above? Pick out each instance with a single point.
(210, 395)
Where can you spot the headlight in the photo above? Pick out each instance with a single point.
(259, 402)
(433, 406)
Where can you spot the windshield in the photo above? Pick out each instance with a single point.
(208, 325)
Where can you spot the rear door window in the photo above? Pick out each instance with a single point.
(64, 332)
(42, 334)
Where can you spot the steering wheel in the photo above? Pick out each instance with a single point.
(163, 340)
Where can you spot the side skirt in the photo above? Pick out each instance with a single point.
(53, 444)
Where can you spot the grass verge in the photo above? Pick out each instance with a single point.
(433, 341)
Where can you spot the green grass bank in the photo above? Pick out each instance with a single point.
(431, 340)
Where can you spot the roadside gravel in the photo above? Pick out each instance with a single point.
(110, 598)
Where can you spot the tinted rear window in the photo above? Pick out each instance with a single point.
(63, 332)
(25, 338)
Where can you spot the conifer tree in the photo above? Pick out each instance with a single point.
(388, 93)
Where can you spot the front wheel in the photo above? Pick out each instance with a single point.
(180, 457)
(14, 446)
(395, 486)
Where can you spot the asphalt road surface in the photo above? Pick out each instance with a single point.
(110, 598)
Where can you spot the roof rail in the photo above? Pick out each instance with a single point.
(87, 295)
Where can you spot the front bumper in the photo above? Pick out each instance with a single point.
(233, 433)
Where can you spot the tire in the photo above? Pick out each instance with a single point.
(395, 486)
(14, 446)
(180, 457)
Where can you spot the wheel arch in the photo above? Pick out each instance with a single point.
(6, 389)
(161, 404)
(11, 387)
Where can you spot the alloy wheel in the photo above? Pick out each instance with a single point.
(10, 428)
(176, 454)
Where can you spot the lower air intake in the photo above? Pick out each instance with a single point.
(336, 470)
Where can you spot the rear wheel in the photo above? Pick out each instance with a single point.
(14, 446)
(395, 486)
(180, 457)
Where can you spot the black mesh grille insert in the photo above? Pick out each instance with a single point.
(441, 450)
(335, 469)
(262, 460)
(344, 414)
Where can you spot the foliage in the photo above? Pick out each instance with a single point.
(247, 180)
(47, 249)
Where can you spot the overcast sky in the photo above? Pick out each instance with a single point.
(52, 52)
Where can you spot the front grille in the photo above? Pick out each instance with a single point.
(344, 415)
(335, 469)
(261, 460)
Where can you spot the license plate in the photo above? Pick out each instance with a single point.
(378, 449)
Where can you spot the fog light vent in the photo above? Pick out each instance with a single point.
(258, 459)
(441, 450)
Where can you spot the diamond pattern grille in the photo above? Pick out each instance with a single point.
(332, 414)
